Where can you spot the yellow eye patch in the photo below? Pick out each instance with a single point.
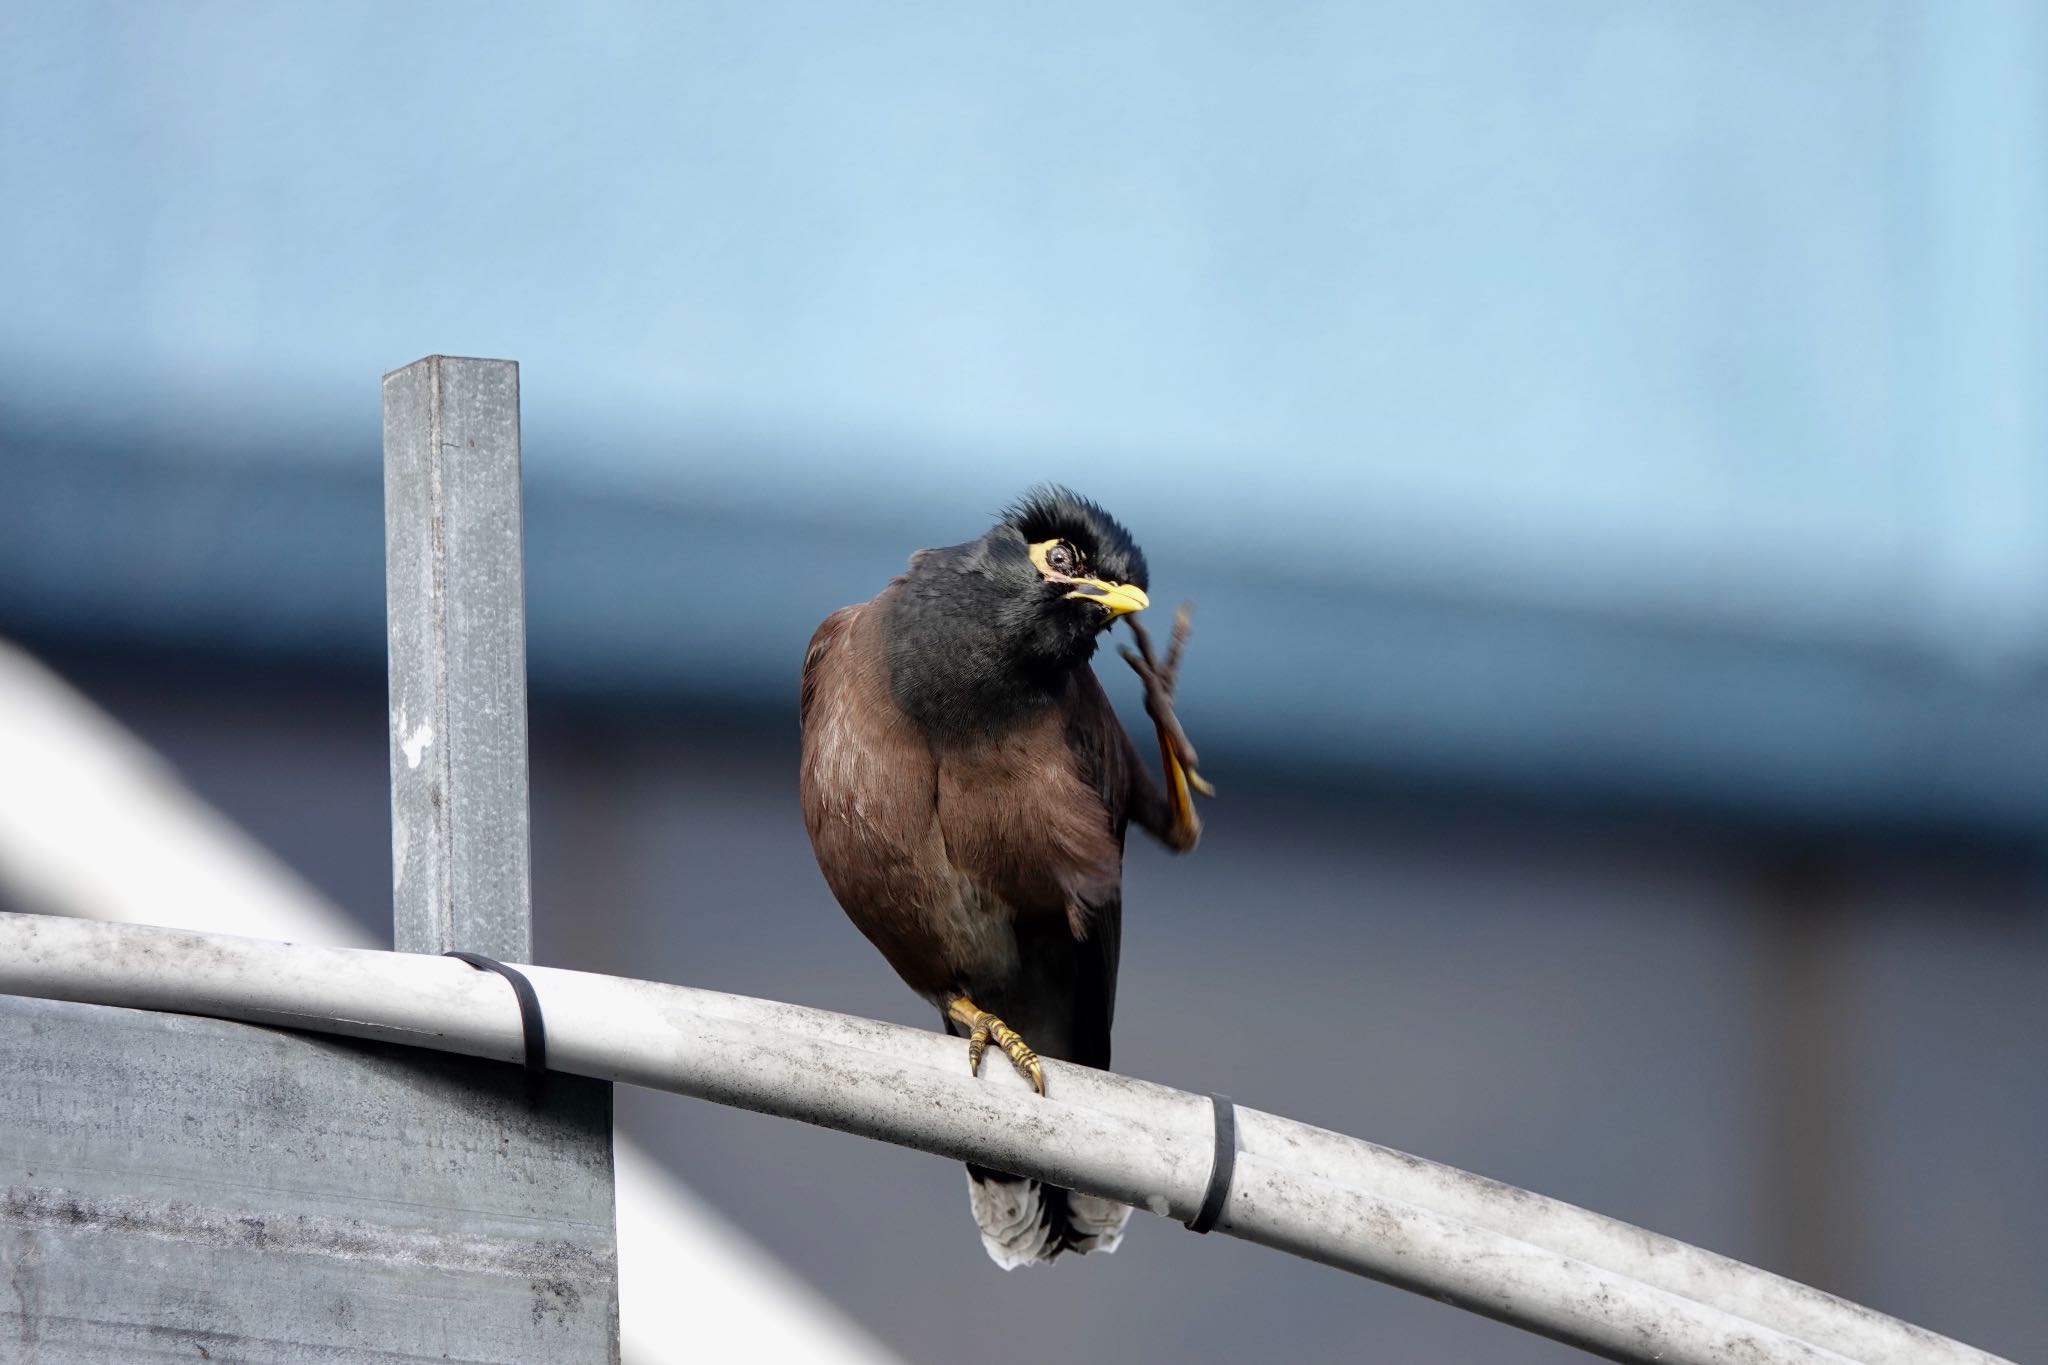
(1115, 598)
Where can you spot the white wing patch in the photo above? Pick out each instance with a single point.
(1100, 1222)
(1011, 1216)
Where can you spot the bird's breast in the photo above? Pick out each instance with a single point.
(1019, 823)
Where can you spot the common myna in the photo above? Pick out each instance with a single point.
(966, 785)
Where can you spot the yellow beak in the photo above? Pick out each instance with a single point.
(1115, 598)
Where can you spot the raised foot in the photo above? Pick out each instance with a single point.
(1180, 827)
(1160, 677)
(984, 1028)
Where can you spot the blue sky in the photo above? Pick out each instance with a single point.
(1583, 301)
(1730, 317)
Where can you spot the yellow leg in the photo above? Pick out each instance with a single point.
(1176, 755)
(1178, 782)
(982, 1027)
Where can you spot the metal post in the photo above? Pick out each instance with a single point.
(456, 598)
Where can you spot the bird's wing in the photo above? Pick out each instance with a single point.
(1104, 756)
(824, 639)
(1108, 763)
(867, 787)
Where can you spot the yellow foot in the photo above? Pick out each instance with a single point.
(982, 1028)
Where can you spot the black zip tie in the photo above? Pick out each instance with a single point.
(529, 1018)
(1221, 1169)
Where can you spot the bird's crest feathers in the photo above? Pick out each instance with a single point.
(1051, 512)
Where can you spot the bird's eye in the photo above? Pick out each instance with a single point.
(1063, 558)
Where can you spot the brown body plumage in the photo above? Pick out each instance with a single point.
(967, 787)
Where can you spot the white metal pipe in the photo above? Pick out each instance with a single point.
(1535, 1262)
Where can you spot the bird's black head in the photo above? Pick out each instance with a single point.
(1071, 569)
(984, 627)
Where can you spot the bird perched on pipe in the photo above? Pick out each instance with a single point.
(967, 786)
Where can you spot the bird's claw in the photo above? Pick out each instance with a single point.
(1160, 680)
(983, 1028)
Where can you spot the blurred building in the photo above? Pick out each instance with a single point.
(1606, 445)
